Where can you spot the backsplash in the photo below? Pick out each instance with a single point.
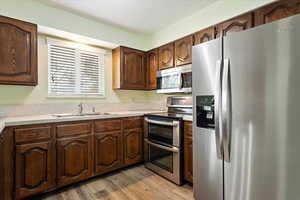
(14, 110)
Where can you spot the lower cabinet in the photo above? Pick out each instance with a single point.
(50, 156)
(35, 168)
(74, 159)
(133, 146)
(188, 151)
(108, 151)
(188, 159)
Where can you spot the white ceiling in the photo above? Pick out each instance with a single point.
(143, 16)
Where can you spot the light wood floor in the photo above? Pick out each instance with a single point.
(136, 183)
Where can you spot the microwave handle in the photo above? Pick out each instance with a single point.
(173, 149)
(180, 81)
(161, 122)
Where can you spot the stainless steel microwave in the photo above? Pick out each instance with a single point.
(175, 80)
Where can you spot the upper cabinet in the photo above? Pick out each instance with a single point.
(204, 35)
(277, 11)
(237, 24)
(129, 69)
(183, 51)
(152, 64)
(18, 52)
(166, 56)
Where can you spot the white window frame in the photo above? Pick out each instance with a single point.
(79, 47)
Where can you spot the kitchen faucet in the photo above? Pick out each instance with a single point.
(80, 110)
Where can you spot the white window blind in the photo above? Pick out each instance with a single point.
(75, 70)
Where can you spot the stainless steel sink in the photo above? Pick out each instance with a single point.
(78, 115)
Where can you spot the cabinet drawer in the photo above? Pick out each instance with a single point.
(133, 122)
(188, 128)
(81, 128)
(107, 125)
(32, 134)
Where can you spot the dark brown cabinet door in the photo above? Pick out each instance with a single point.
(237, 24)
(166, 56)
(74, 159)
(277, 11)
(188, 159)
(108, 151)
(35, 171)
(188, 151)
(133, 146)
(183, 51)
(18, 52)
(204, 35)
(133, 70)
(152, 63)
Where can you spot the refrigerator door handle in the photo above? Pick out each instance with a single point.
(226, 110)
(218, 106)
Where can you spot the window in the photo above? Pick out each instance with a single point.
(75, 70)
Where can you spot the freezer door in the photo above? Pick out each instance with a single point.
(263, 144)
(207, 167)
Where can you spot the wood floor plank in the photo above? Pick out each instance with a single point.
(136, 183)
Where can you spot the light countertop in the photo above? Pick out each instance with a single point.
(50, 118)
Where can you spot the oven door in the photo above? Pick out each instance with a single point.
(163, 131)
(163, 160)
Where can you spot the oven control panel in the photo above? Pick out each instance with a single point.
(205, 109)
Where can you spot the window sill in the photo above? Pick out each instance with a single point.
(75, 97)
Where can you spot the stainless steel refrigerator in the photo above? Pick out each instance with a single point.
(246, 129)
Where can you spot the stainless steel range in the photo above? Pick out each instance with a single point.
(164, 136)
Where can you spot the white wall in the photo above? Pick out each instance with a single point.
(211, 15)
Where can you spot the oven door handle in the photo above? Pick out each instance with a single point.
(173, 149)
(161, 122)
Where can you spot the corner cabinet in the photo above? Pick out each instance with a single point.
(18, 52)
(129, 69)
(277, 11)
(152, 68)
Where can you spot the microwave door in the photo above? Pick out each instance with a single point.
(169, 83)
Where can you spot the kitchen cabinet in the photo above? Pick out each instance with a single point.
(129, 69)
(108, 151)
(18, 52)
(204, 35)
(183, 51)
(166, 56)
(35, 160)
(133, 146)
(108, 145)
(237, 24)
(74, 159)
(276, 11)
(35, 171)
(50, 156)
(152, 64)
(133, 140)
(188, 151)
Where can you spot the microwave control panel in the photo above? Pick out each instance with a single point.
(205, 109)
